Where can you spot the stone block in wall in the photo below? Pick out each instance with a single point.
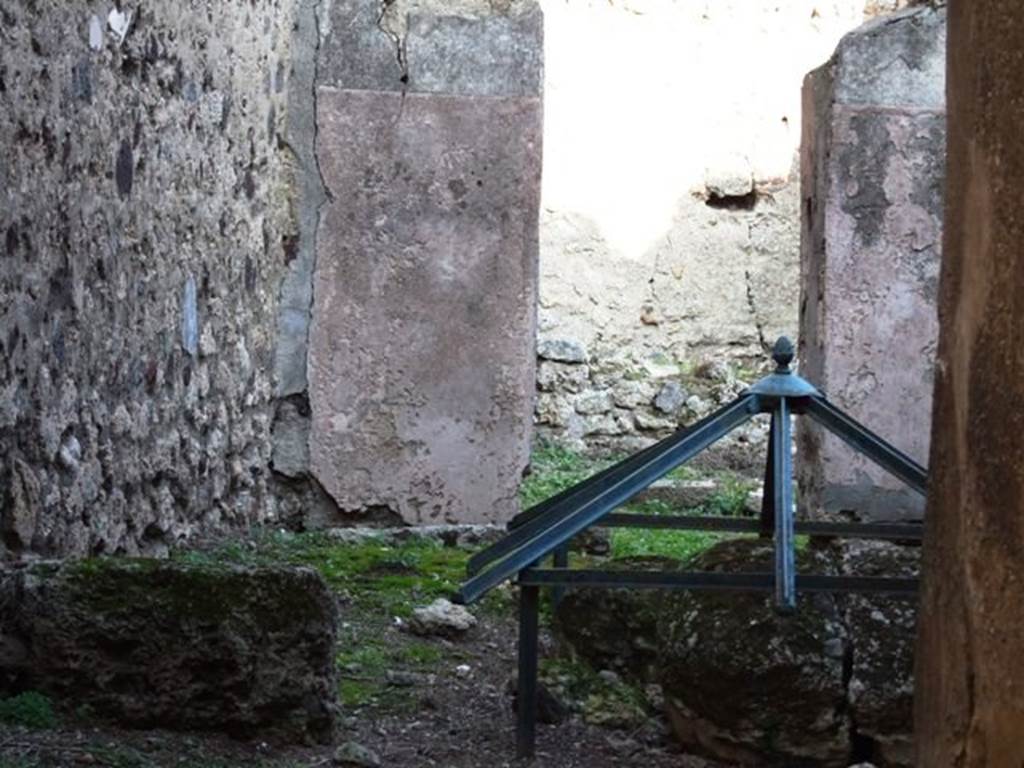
(422, 351)
(246, 651)
(872, 179)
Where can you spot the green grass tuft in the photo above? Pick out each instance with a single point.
(379, 578)
(553, 469)
(30, 709)
(613, 703)
(678, 545)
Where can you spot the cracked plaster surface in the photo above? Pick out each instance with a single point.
(874, 173)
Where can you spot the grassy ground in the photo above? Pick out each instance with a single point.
(379, 585)
(385, 675)
(556, 468)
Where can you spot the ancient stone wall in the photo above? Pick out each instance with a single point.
(163, 200)
(670, 223)
(873, 167)
(145, 222)
(421, 345)
(168, 233)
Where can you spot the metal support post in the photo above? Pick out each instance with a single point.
(785, 544)
(768, 493)
(526, 728)
(561, 560)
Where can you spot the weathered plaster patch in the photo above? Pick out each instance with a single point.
(874, 169)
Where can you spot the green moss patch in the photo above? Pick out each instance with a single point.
(29, 710)
(203, 590)
(603, 699)
(373, 576)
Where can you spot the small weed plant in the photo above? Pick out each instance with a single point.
(30, 710)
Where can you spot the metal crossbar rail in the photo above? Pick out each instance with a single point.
(891, 531)
(737, 582)
(547, 528)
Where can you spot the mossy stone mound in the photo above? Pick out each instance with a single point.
(247, 651)
(746, 684)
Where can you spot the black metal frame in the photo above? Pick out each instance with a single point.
(546, 529)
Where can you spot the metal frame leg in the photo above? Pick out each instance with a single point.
(768, 494)
(526, 728)
(561, 560)
(785, 549)
(866, 442)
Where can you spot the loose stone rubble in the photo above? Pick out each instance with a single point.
(441, 619)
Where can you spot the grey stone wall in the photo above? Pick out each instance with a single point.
(168, 235)
(873, 170)
(145, 224)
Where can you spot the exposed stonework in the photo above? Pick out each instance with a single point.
(150, 644)
(827, 686)
(145, 222)
(616, 404)
(880, 688)
(873, 164)
(421, 346)
(670, 223)
(748, 686)
(616, 629)
(158, 300)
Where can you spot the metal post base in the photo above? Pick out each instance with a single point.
(526, 699)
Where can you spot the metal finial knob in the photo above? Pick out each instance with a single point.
(783, 354)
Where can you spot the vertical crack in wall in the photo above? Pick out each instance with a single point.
(384, 24)
(305, 501)
(396, 31)
(326, 194)
(752, 306)
(651, 313)
(309, 194)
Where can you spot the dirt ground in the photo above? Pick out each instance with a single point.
(447, 716)
(413, 701)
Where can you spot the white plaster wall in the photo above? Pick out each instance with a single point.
(647, 104)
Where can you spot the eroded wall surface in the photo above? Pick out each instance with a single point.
(671, 209)
(421, 346)
(145, 222)
(968, 706)
(873, 170)
(168, 230)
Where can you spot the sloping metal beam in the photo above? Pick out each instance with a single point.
(559, 529)
(864, 441)
(545, 514)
